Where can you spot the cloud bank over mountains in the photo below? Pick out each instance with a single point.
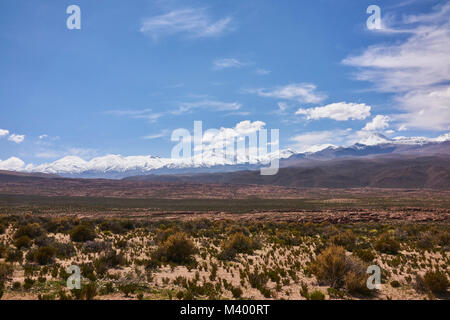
(71, 165)
(416, 70)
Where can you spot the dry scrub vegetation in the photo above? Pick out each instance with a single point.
(203, 259)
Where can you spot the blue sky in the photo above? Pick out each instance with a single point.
(138, 70)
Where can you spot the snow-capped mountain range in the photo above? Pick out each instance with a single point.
(118, 166)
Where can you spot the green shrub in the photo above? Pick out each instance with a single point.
(436, 281)
(2, 231)
(28, 283)
(82, 233)
(238, 243)
(64, 250)
(316, 295)
(330, 266)
(64, 296)
(386, 244)
(345, 239)
(128, 288)
(365, 255)
(44, 255)
(6, 271)
(257, 280)
(180, 295)
(333, 267)
(426, 241)
(22, 242)
(16, 286)
(109, 259)
(50, 296)
(236, 292)
(395, 284)
(355, 283)
(14, 255)
(178, 248)
(32, 230)
(335, 293)
(113, 226)
(88, 291)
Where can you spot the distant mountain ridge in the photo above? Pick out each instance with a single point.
(392, 171)
(118, 167)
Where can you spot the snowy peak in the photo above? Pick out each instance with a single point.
(374, 139)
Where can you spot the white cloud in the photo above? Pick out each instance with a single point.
(216, 142)
(282, 106)
(145, 114)
(417, 70)
(313, 140)
(226, 63)
(238, 113)
(156, 135)
(12, 164)
(263, 72)
(3, 132)
(17, 138)
(81, 152)
(207, 104)
(301, 92)
(192, 22)
(379, 122)
(426, 109)
(340, 111)
(48, 154)
(43, 136)
(57, 152)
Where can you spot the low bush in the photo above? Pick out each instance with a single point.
(28, 283)
(44, 255)
(436, 281)
(14, 255)
(236, 292)
(238, 243)
(88, 291)
(316, 295)
(16, 286)
(97, 246)
(6, 271)
(2, 228)
(365, 255)
(128, 288)
(82, 233)
(330, 266)
(345, 239)
(178, 248)
(64, 250)
(385, 244)
(22, 242)
(333, 267)
(32, 230)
